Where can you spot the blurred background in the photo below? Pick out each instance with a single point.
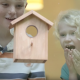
(50, 10)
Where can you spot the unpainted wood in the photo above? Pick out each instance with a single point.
(23, 51)
(50, 24)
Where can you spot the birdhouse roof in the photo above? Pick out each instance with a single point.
(28, 14)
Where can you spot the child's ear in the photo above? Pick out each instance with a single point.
(26, 5)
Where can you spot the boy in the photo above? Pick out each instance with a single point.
(68, 32)
(10, 10)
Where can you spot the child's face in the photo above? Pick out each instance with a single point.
(10, 10)
(67, 37)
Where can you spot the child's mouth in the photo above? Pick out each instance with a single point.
(70, 47)
(10, 19)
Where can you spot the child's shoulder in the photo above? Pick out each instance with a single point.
(64, 72)
(65, 67)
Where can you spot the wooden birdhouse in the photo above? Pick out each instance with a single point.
(31, 49)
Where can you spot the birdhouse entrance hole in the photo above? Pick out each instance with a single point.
(32, 30)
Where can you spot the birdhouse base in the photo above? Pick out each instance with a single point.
(29, 61)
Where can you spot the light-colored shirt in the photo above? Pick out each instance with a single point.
(23, 71)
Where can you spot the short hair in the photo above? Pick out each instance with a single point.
(70, 17)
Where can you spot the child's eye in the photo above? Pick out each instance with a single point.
(5, 4)
(19, 6)
(72, 33)
(62, 35)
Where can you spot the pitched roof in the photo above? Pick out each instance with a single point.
(30, 13)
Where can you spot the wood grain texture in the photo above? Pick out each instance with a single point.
(23, 51)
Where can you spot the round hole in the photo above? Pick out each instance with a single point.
(31, 31)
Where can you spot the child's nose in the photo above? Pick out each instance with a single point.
(12, 10)
(68, 38)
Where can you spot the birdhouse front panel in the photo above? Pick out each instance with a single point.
(31, 49)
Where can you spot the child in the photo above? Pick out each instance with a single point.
(68, 32)
(10, 10)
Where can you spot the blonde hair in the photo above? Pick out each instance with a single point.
(70, 17)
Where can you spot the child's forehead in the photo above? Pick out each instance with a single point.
(14, 0)
(63, 24)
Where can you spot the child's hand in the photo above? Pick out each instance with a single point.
(76, 60)
(69, 61)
